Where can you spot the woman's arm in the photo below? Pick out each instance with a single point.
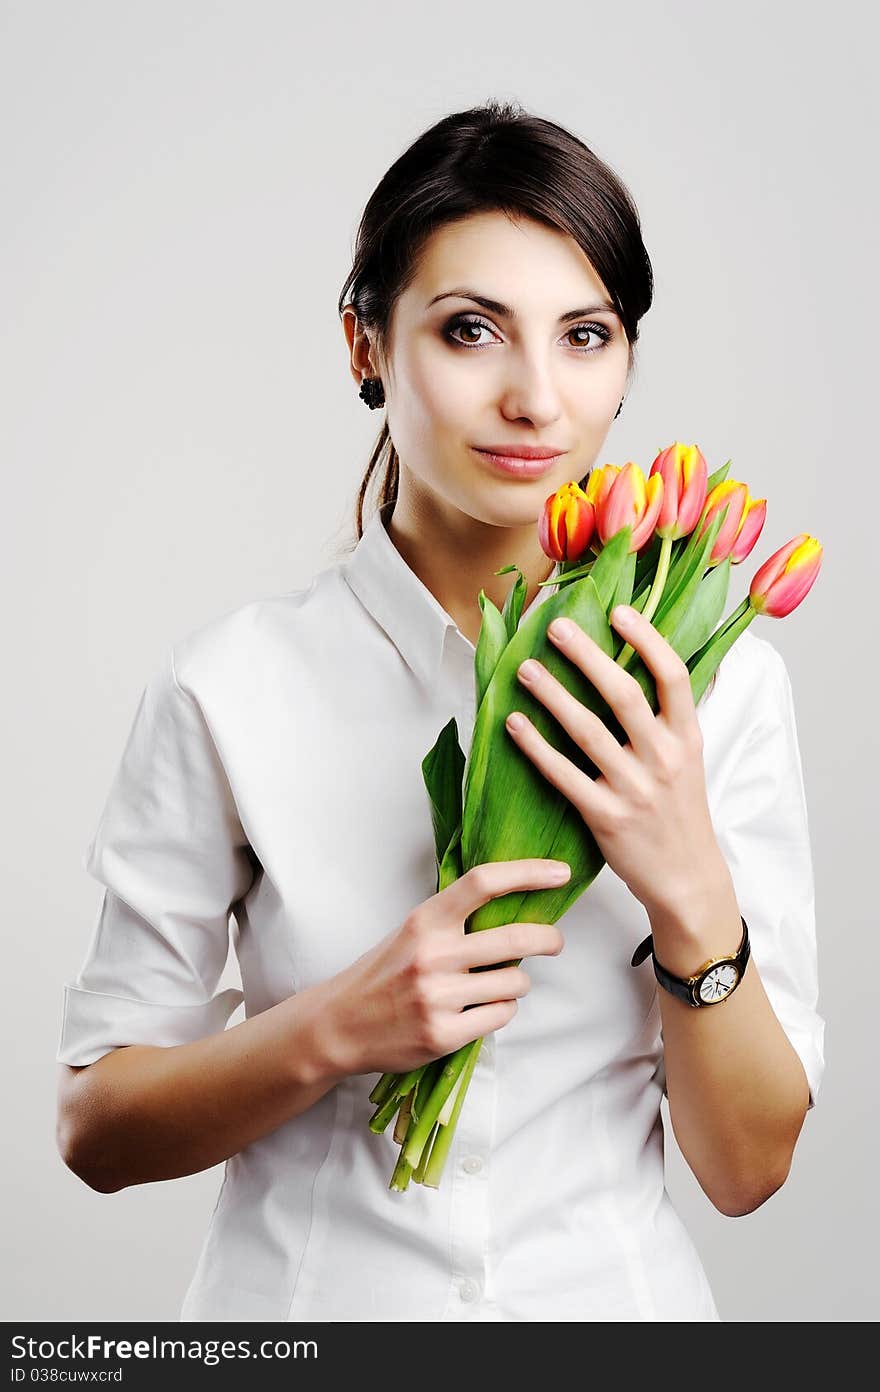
(737, 1090)
(143, 1113)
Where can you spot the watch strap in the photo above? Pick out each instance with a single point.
(683, 987)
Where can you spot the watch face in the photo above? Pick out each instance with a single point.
(718, 982)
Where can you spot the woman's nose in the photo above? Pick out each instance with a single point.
(529, 391)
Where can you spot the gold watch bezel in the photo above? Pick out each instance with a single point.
(695, 982)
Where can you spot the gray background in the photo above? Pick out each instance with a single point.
(181, 187)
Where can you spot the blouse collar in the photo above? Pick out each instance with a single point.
(401, 604)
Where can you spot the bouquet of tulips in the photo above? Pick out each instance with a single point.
(662, 544)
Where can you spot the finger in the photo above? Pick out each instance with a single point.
(586, 728)
(479, 1020)
(580, 790)
(481, 987)
(491, 879)
(617, 687)
(510, 942)
(672, 678)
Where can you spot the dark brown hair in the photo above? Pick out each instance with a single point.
(494, 157)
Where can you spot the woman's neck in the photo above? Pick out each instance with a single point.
(455, 556)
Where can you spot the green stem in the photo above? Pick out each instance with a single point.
(401, 1126)
(402, 1174)
(427, 1151)
(381, 1117)
(735, 617)
(431, 1110)
(705, 661)
(422, 1091)
(382, 1091)
(429, 1075)
(654, 595)
(442, 1142)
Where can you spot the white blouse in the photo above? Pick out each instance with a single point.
(273, 772)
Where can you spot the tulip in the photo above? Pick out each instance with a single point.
(684, 472)
(565, 527)
(754, 517)
(741, 527)
(623, 497)
(784, 579)
(599, 485)
(777, 588)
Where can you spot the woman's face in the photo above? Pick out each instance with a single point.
(458, 375)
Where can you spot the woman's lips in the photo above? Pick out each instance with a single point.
(515, 467)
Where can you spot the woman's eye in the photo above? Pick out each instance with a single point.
(584, 332)
(588, 331)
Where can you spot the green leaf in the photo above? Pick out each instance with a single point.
(718, 477)
(510, 809)
(614, 570)
(708, 658)
(646, 563)
(704, 612)
(680, 589)
(513, 604)
(491, 643)
(689, 636)
(562, 576)
(450, 866)
(443, 771)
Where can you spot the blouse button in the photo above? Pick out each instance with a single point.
(473, 1164)
(469, 1290)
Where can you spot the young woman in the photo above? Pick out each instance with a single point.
(273, 773)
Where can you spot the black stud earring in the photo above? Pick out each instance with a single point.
(372, 392)
(617, 412)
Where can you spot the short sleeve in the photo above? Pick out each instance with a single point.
(762, 828)
(172, 859)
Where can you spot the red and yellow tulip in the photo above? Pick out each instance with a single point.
(784, 579)
(684, 472)
(566, 524)
(624, 497)
(741, 527)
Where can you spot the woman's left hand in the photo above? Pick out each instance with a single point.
(649, 810)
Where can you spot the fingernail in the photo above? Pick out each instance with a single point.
(559, 873)
(561, 628)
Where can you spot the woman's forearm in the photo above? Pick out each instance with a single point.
(737, 1090)
(144, 1113)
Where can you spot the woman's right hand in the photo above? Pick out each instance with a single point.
(413, 997)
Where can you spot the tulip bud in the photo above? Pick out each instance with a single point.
(599, 482)
(623, 497)
(784, 579)
(741, 527)
(754, 517)
(565, 527)
(684, 472)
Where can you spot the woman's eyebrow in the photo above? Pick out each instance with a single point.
(505, 311)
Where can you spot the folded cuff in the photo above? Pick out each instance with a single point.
(94, 1023)
(809, 1050)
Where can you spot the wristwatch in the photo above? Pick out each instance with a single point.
(711, 983)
